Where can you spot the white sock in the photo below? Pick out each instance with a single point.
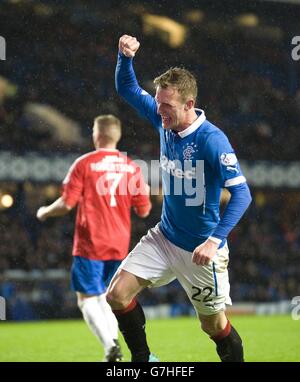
(111, 320)
(97, 321)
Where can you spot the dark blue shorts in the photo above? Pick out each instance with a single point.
(92, 277)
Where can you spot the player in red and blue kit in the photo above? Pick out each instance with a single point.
(189, 243)
(105, 184)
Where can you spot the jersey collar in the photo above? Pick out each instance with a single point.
(194, 126)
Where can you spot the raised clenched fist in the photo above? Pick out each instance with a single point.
(128, 45)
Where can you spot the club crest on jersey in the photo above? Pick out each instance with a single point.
(189, 150)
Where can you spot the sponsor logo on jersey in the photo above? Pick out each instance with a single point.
(181, 178)
(174, 168)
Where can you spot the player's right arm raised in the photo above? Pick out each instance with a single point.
(128, 45)
(126, 83)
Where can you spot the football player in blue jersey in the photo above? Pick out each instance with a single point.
(189, 243)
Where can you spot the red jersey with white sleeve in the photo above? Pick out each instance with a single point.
(105, 184)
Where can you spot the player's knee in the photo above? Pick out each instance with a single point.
(207, 328)
(213, 324)
(211, 327)
(116, 298)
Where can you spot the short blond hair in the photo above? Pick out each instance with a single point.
(181, 79)
(109, 127)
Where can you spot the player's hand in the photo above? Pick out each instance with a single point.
(128, 45)
(204, 253)
(42, 213)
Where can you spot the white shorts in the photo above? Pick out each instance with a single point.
(159, 261)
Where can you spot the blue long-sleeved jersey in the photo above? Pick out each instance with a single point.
(196, 164)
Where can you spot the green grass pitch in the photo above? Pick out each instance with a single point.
(266, 338)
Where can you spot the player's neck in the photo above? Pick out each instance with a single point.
(107, 147)
(190, 119)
